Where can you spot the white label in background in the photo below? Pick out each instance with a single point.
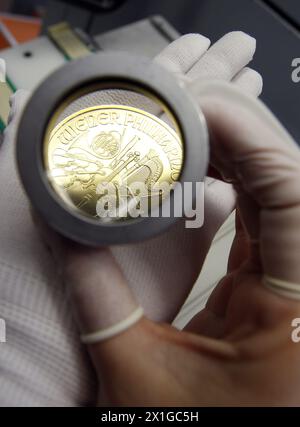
(2, 331)
(2, 71)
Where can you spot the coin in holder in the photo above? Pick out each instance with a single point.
(103, 144)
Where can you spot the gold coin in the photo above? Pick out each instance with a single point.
(110, 144)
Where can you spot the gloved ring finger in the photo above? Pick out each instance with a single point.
(225, 58)
(249, 81)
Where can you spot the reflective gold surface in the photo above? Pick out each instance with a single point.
(114, 144)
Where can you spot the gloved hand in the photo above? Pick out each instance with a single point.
(239, 349)
(43, 350)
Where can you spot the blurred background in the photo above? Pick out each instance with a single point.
(274, 23)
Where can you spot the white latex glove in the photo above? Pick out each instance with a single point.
(239, 350)
(49, 366)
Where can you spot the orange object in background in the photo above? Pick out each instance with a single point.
(16, 29)
(3, 41)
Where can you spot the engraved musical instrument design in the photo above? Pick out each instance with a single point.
(113, 144)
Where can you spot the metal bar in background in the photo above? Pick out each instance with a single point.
(146, 37)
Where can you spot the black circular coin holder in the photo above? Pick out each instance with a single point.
(109, 71)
